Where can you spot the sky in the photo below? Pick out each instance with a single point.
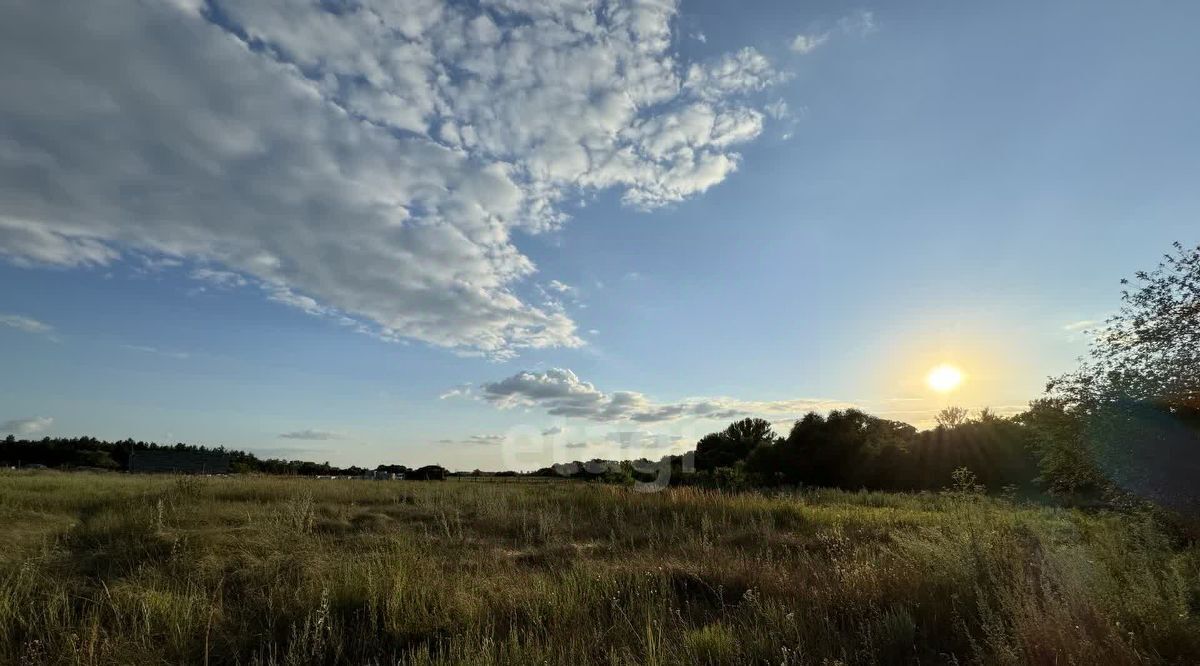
(505, 233)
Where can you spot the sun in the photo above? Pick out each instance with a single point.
(944, 378)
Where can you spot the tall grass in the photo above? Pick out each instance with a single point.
(104, 569)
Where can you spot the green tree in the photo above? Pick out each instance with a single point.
(1066, 462)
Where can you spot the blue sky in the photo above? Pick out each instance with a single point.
(503, 234)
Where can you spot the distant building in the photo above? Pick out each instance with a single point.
(377, 475)
(178, 462)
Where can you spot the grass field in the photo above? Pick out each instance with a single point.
(113, 569)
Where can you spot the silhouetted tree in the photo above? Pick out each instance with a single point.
(838, 450)
(714, 450)
(996, 451)
(734, 444)
(951, 417)
(1136, 396)
(1150, 350)
(63, 452)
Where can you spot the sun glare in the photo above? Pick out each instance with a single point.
(944, 378)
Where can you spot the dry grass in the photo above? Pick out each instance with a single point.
(106, 569)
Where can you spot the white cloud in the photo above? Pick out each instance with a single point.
(313, 435)
(778, 110)
(28, 243)
(808, 43)
(155, 350)
(462, 390)
(743, 71)
(1078, 326)
(26, 324)
(641, 439)
(157, 263)
(859, 23)
(218, 278)
(369, 163)
(782, 113)
(26, 426)
(552, 430)
(476, 439)
(1081, 329)
(560, 392)
(562, 288)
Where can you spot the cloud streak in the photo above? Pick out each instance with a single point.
(146, 349)
(25, 324)
(489, 440)
(312, 435)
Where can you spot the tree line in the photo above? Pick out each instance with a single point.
(93, 453)
(1125, 424)
(851, 449)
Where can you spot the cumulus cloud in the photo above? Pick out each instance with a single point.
(313, 435)
(368, 161)
(560, 392)
(26, 324)
(26, 426)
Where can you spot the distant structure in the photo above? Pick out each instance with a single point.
(379, 475)
(178, 462)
